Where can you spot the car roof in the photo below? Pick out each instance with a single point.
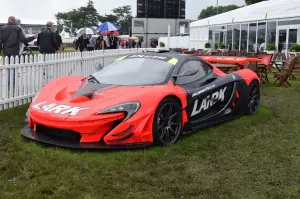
(165, 56)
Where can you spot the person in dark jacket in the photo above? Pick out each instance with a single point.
(11, 36)
(113, 41)
(58, 39)
(47, 40)
(82, 42)
(100, 43)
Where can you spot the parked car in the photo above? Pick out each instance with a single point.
(173, 95)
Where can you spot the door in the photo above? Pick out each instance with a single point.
(207, 95)
(217, 40)
(286, 37)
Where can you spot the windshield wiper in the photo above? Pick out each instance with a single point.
(93, 79)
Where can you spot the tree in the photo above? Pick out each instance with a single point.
(110, 18)
(85, 16)
(249, 2)
(212, 11)
(124, 18)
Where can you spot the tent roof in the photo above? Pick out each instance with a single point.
(266, 10)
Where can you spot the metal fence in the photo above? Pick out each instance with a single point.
(22, 77)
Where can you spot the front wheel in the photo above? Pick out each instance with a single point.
(167, 123)
(253, 99)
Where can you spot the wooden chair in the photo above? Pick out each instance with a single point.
(251, 54)
(283, 77)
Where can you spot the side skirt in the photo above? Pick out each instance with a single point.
(196, 128)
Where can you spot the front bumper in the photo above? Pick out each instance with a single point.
(29, 133)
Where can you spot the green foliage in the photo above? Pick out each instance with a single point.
(271, 47)
(88, 16)
(222, 46)
(85, 16)
(110, 18)
(207, 45)
(295, 48)
(162, 44)
(124, 18)
(249, 2)
(212, 11)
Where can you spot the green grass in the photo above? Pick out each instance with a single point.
(252, 157)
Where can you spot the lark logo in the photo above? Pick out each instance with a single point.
(209, 101)
(58, 109)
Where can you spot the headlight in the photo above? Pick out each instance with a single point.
(129, 108)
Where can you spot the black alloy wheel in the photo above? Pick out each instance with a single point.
(167, 124)
(253, 98)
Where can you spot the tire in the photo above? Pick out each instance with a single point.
(252, 104)
(167, 122)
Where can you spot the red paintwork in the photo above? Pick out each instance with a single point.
(248, 75)
(92, 126)
(236, 60)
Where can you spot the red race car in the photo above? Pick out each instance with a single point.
(138, 100)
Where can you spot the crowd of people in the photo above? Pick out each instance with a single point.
(13, 38)
(88, 42)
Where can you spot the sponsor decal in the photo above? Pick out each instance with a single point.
(203, 90)
(148, 56)
(58, 109)
(227, 111)
(209, 101)
(173, 61)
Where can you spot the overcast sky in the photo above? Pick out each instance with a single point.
(44, 10)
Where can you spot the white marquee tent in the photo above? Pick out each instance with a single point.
(275, 22)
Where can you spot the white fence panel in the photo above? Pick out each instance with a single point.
(22, 77)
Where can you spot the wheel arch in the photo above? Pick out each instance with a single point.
(184, 113)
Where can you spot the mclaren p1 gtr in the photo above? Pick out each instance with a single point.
(138, 100)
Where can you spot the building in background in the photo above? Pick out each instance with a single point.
(250, 28)
(169, 9)
(148, 28)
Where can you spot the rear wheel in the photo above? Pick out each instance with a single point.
(167, 123)
(253, 99)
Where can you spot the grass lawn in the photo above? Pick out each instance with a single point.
(251, 157)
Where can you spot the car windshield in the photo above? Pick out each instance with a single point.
(136, 71)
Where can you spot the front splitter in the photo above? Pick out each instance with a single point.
(29, 133)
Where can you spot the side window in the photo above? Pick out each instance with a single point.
(193, 65)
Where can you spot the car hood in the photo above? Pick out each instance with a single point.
(90, 97)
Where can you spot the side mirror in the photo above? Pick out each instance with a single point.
(186, 73)
(98, 67)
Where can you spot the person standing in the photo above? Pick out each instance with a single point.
(92, 43)
(100, 43)
(11, 37)
(82, 42)
(58, 39)
(47, 40)
(29, 39)
(113, 41)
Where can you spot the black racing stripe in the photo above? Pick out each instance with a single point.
(107, 88)
(89, 89)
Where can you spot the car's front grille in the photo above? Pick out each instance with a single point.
(60, 134)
